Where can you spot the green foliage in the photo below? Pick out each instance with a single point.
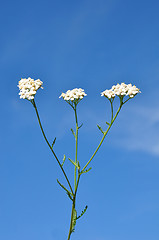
(78, 165)
(80, 126)
(69, 195)
(83, 212)
(67, 191)
(100, 129)
(85, 171)
(64, 158)
(74, 220)
(72, 193)
(73, 132)
(53, 142)
(73, 163)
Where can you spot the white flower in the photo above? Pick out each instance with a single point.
(108, 93)
(132, 91)
(74, 94)
(28, 87)
(121, 90)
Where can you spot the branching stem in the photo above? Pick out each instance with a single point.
(105, 133)
(76, 163)
(33, 102)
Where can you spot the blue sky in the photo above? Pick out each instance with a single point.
(90, 44)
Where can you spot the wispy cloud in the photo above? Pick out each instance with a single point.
(141, 129)
(136, 129)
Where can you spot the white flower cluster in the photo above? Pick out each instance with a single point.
(76, 93)
(121, 90)
(28, 87)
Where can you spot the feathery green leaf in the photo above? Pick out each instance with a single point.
(100, 129)
(80, 126)
(64, 158)
(67, 191)
(73, 163)
(87, 170)
(74, 220)
(73, 132)
(53, 142)
(83, 212)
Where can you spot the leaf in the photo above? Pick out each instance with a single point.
(83, 212)
(73, 163)
(100, 129)
(73, 132)
(53, 142)
(74, 220)
(80, 126)
(64, 158)
(78, 165)
(67, 191)
(69, 196)
(87, 170)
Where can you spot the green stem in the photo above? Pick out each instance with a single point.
(73, 208)
(111, 110)
(127, 100)
(76, 140)
(76, 179)
(72, 212)
(33, 102)
(104, 135)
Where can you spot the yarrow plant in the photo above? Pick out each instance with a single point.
(125, 92)
(28, 88)
(121, 90)
(74, 94)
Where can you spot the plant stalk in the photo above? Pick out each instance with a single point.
(73, 208)
(33, 102)
(105, 133)
(76, 147)
(75, 175)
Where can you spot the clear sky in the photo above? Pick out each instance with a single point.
(89, 44)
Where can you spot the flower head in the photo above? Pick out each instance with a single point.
(28, 87)
(73, 95)
(108, 93)
(121, 90)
